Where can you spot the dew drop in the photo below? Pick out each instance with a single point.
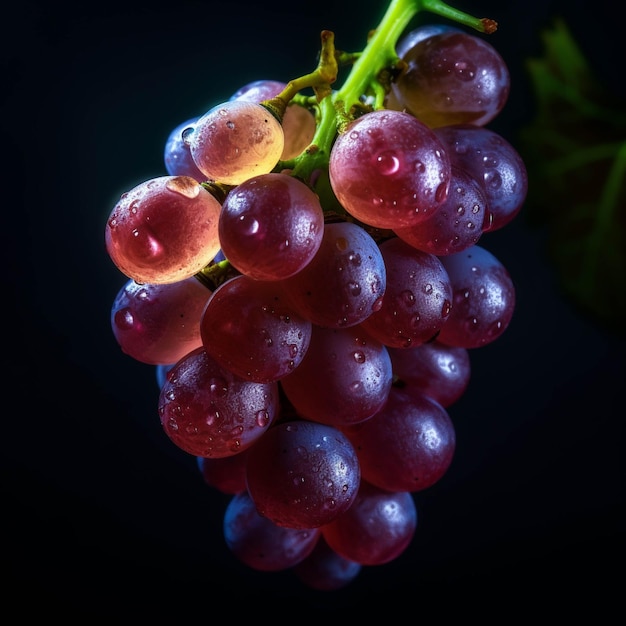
(388, 163)
(358, 356)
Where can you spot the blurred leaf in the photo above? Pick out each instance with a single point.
(575, 152)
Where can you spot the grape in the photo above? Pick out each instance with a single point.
(177, 155)
(491, 159)
(226, 474)
(423, 31)
(376, 529)
(163, 230)
(234, 141)
(484, 298)
(344, 282)
(408, 445)
(298, 123)
(265, 339)
(326, 570)
(261, 544)
(439, 371)
(345, 377)
(417, 299)
(271, 226)
(207, 411)
(302, 474)
(457, 224)
(453, 78)
(389, 170)
(159, 324)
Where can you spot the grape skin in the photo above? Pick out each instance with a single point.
(271, 226)
(177, 155)
(163, 230)
(484, 298)
(408, 445)
(250, 329)
(417, 299)
(159, 324)
(389, 170)
(208, 411)
(453, 78)
(302, 474)
(344, 378)
(344, 282)
(298, 123)
(457, 224)
(258, 542)
(376, 529)
(236, 140)
(439, 371)
(494, 162)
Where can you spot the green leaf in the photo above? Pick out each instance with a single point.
(575, 152)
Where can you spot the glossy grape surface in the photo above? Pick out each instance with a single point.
(453, 78)
(439, 371)
(484, 298)
(258, 542)
(207, 411)
(159, 324)
(271, 226)
(236, 140)
(492, 160)
(388, 169)
(177, 155)
(344, 282)
(406, 446)
(457, 224)
(303, 474)
(298, 123)
(344, 378)
(163, 230)
(376, 529)
(249, 328)
(417, 299)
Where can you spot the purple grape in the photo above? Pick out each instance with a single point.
(389, 170)
(302, 474)
(207, 411)
(271, 226)
(493, 161)
(177, 155)
(417, 299)
(453, 78)
(261, 544)
(345, 377)
(484, 298)
(408, 445)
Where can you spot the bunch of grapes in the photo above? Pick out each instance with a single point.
(308, 279)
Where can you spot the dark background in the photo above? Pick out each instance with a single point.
(102, 516)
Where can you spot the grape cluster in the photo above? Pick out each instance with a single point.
(308, 281)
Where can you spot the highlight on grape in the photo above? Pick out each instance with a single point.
(309, 277)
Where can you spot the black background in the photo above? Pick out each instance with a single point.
(102, 516)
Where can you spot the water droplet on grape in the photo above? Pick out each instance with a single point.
(218, 386)
(124, 319)
(262, 418)
(359, 356)
(388, 163)
(354, 135)
(493, 180)
(407, 297)
(354, 288)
